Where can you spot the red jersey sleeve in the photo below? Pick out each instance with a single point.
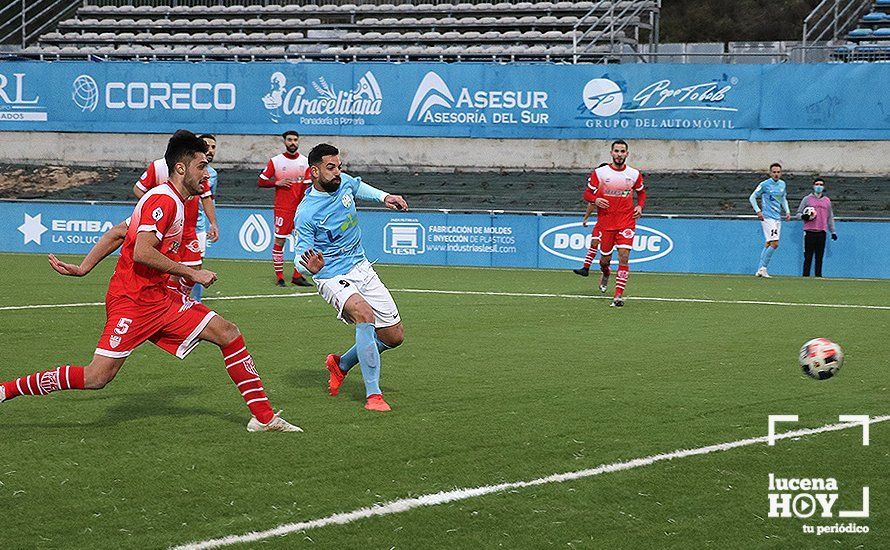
(157, 215)
(206, 191)
(592, 187)
(640, 189)
(267, 177)
(147, 180)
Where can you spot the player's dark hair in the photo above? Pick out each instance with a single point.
(619, 142)
(773, 165)
(817, 180)
(208, 136)
(320, 151)
(290, 133)
(182, 147)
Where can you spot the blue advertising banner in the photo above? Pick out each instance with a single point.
(497, 240)
(648, 101)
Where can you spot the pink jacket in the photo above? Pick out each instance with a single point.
(824, 215)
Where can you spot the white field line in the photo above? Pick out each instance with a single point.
(639, 298)
(504, 294)
(85, 304)
(444, 497)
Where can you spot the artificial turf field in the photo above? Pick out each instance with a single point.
(487, 389)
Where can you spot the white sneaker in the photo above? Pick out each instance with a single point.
(277, 424)
(761, 272)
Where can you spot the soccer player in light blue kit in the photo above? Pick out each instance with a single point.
(772, 195)
(330, 248)
(202, 231)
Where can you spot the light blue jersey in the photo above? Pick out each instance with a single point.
(772, 195)
(202, 227)
(328, 223)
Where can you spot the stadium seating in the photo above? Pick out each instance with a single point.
(345, 31)
(870, 41)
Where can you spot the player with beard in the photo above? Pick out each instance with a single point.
(140, 307)
(287, 173)
(610, 190)
(330, 248)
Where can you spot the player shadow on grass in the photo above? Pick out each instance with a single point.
(353, 388)
(147, 404)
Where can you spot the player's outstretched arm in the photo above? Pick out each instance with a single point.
(108, 243)
(146, 253)
(210, 212)
(590, 208)
(395, 202)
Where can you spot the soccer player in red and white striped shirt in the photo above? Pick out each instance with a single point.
(611, 191)
(140, 307)
(190, 253)
(288, 173)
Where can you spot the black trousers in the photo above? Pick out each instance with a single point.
(813, 245)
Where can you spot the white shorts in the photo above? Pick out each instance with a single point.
(202, 242)
(364, 281)
(772, 229)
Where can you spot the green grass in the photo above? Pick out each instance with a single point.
(486, 389)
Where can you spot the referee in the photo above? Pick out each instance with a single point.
(817, 215)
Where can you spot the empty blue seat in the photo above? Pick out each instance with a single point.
(873, 16)
(860, 33)
(882, 32)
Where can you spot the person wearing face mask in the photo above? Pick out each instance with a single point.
(817, 215)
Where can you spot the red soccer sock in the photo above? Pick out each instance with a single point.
(239, 365)
(591, 255)
(66, 377)
(621, 279)
(278, 260)
(297, 274)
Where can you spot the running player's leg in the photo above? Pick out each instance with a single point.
(94, 376)
(357, 310)
(188, 323)
(284, 226)
(621, 277)
(584, 271)
(126, 327)
(607, 246)
(387, 321)
(771, 233)
(198, 290)
(624, 244)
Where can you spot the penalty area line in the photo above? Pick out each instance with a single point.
(444, 497)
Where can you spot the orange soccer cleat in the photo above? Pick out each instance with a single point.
(376, 403)
(332, 362)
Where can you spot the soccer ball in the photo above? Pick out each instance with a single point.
(821, 358)
(810, 212)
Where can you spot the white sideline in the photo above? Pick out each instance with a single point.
(406, 504)
(506, 294)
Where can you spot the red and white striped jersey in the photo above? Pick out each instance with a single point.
(154, 175)
(157, 174)
(287, 166)
(618, 187)
(161, 212)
